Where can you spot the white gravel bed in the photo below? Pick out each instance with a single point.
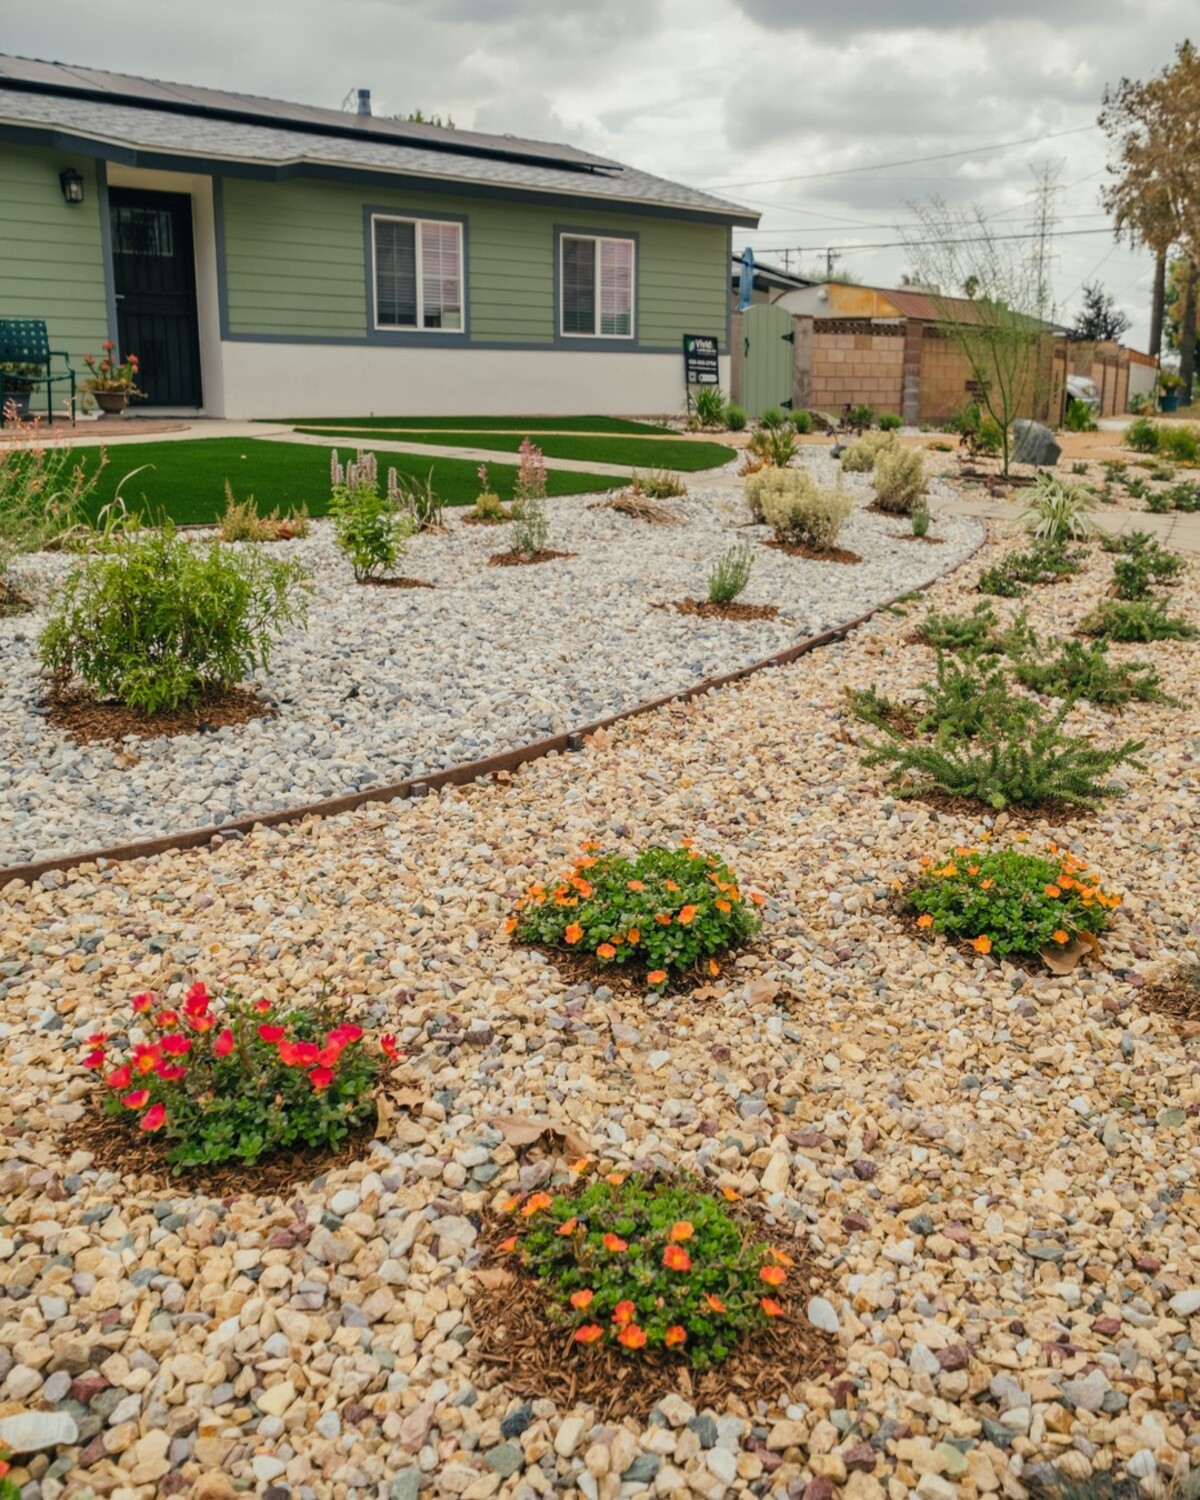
(389, 683)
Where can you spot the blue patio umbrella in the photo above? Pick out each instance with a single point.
(746, 288)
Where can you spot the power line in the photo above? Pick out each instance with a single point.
(906, 244)
(909, 161)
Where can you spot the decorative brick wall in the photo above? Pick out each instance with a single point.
(857, 362)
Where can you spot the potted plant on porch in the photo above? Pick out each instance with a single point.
(111, 381)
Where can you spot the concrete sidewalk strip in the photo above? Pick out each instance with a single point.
(1179, 529)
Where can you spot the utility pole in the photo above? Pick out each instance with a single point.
(787, 260)
(1045, 175)
(831, 259)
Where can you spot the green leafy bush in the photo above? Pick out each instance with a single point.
(899, 480)
(861, 417)
(860, 455)
(1043, 563)
(370, 528)
(775, 417)
(1059, 511)
(802, 420)
(1139, 620)
(1179, 441)
(489, 507)
(157, 622)
(657, 484)
(889, 422)
(730, 574)
(230, 1081)
(1007, 901)
(920, 520)
(1080, 670)
(963, 701)
(1184, 496)
(708, 406)
(1078, 417)
(641, 1266)
(1142, 435)
(1018, 755)
(1142, 565)
(735, 418)
(666, 910)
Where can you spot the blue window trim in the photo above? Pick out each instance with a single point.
(419, 338)
(582, 342)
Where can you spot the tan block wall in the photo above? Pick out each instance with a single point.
(857, 368)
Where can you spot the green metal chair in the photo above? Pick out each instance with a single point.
(26, 342)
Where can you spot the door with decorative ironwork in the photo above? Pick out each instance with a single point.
(154, 277)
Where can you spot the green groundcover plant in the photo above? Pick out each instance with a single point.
(649, 1267)
(230, 1081)
(1006, 901)
(1139, 620)
(667, 910)
(1043, 563)
(974, 633)
(1085, 670)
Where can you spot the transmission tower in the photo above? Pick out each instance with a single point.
(1045, 191)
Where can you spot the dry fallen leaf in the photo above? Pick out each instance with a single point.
(709, 992)
(761, 991)
(492, 1278)
(526, 1130)
(1065, 960)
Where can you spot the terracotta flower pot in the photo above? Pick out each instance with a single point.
(112, 402)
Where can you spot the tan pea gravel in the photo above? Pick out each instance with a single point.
(998, 1170)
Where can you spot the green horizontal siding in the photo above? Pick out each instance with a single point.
(51, 256)
(294, 263)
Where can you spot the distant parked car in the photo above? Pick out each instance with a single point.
(1080, 388)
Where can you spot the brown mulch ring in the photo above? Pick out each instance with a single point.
(84, 720)
(907, 536)
(516, 559)
(396, 583)
(1177, 996)
(817, 554)
(13, 601)
(707, 610)
(485, 520)
(628, 979)
(1049, 814)
(117, 1146)
(517, 1338)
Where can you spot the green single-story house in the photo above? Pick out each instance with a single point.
(265, 259)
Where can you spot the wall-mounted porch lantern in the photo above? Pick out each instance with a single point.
(72, 185)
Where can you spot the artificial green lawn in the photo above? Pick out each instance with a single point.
(186, 482)
(487, 424)
(632, 452)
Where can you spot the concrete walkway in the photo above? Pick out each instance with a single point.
(1178, 529)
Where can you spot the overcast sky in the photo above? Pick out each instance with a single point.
(792, 107)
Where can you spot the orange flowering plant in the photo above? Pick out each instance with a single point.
(667, 910)
(646, 1265)
(234, 1081)
(1009, 900)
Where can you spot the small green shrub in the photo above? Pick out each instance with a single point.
(860, 455)
(1138, 568)
(965, 698)
(775, 445)
(156, 622)
(1184, 496)
(1079, 467)
(1041, 564)
(1159, 503)
(238, 1082)
(667, 910)
(800, 512)
(708, 406)
(1139, 620)
(417, 499)
(889, 422)
(1059, 511)
(861, 417)
(976, 633)
(1080, 670)
(370, 528)
(1142, 435)
(1180, 442)
(637, 1266)
(657, 484)
(735, 418)
(802, 420)
(775, 417)
(241, 522)
(531, 523)
(1006, 901)
(730, 574)
(920, 520)
(1078, 417)
(1020, 757)
(899, 480)
(1137, 488)
(489, 507)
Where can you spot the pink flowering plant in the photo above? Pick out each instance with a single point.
(108, 373)
(232, 1081)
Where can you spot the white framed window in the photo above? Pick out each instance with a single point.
(596, 281)
(418, 274)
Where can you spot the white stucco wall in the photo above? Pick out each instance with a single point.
(340, 380)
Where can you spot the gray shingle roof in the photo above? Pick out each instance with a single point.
(179, 120)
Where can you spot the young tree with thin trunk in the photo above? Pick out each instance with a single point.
(986, 306)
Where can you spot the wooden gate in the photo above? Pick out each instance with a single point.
(767, 349)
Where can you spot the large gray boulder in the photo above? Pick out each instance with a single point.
(1034, 444)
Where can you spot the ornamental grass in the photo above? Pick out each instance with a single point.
(668, 911)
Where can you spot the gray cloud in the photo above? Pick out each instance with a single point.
(939, 15)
